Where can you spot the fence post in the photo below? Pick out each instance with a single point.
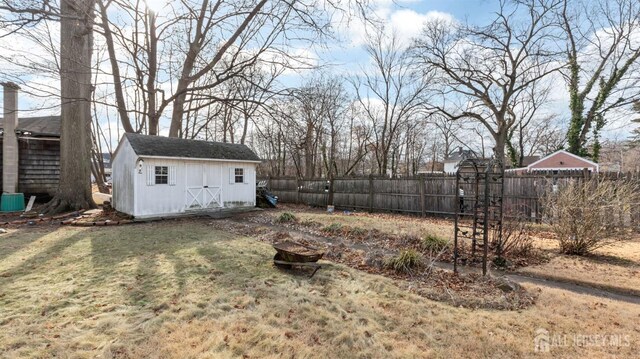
(422, 189)
(370, 193)
(330, 193)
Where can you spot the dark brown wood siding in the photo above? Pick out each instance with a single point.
(39, 166)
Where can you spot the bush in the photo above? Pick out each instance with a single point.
(516, 240)
(405, 261)
(590, 214)
(434, 244)
(286, 217)
(332, 228)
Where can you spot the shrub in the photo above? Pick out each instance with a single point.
(405, 261)
(587, 215)
(516, 240)
(332, 228)
(286, 217)
(433, 243)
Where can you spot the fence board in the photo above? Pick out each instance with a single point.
(433, 194)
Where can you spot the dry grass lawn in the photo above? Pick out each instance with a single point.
(616, 267)
(187, 290)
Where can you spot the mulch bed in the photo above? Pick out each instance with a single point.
(469, 290)
(378, 239)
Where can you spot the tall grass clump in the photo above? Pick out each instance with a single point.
(287, 217)
(434, 243)
(405, 261)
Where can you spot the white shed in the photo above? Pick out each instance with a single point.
(160, 176)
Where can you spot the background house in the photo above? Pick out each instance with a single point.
(158, 176)
(432, 167)
(451, 162)
(560, 161)
(526, 160)
(30, 160)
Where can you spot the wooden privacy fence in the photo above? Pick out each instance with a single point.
(432, 194)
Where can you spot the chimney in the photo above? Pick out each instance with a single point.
(9, 139)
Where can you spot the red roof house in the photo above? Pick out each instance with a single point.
(561, 161)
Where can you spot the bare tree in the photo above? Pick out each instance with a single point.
(354, 146)
(532, 123)
(635, 134)
(488, 69)
(226, 113)
(391, 93)
(447, 131)
(193, 41)
(603, 55)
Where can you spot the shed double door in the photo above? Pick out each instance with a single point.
(204, 186)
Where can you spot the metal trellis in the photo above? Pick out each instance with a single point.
(479, 207)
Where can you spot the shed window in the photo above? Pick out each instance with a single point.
(162, 174)
(239, 175)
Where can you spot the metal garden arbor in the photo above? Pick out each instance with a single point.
(479, 206)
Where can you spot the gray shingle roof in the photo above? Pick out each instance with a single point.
(460, 155)
(144, 145)
(38, 126)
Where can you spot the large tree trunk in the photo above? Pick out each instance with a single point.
(74, 191)
(500, 141)
(178, 104)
